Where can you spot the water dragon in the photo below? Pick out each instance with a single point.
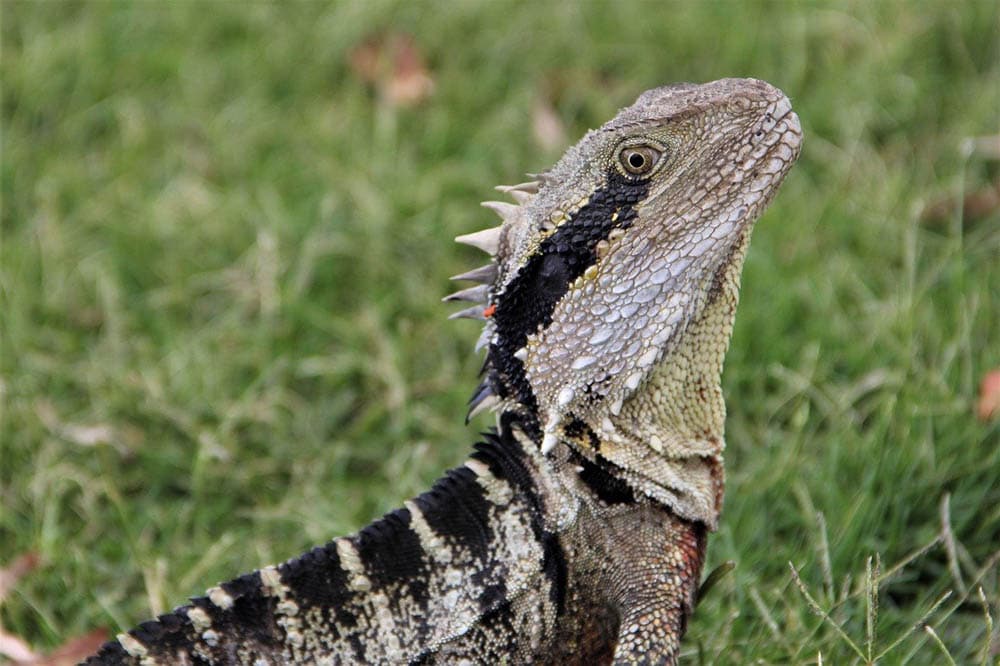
(576, 530)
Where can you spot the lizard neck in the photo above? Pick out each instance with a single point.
(669, 438)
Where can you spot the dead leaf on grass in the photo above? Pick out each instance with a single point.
(74, 650)
(15, 649)
(71, 652)
(395, 66)
(13, 572)
(988, 406)
(975, 206)
(11, 646)
(546, 125)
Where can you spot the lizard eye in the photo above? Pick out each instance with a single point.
(639, 160)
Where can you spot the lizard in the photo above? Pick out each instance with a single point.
(575, 532)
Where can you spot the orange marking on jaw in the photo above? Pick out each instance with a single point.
(490, 309)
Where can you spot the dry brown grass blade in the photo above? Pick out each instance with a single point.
(17, 650)
(950, 545)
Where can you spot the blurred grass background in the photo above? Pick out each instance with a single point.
(224, 247)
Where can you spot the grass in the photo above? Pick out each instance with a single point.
(223, 255)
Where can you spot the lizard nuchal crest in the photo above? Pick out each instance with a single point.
(576, 531)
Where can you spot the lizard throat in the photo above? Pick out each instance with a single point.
(526, 304)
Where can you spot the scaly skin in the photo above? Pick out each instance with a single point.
(576, 532)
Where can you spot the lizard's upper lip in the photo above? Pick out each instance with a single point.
(784, 112)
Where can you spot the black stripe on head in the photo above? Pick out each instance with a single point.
(530, 298)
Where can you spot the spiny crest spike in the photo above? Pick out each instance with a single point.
(506, 211)
(487, 240)
(489, 402)
(522, 192)
(481, 392)
(486, 274)
(531, 187)
(521, 197)
(541, 178)
(549, 442)
(475, 312)
(481, 400)
(478, 294)
(484, 338)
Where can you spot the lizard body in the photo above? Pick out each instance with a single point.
(576, 531)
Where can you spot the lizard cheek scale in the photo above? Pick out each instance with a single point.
(576, 531)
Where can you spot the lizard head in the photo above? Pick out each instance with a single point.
(610, 302)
